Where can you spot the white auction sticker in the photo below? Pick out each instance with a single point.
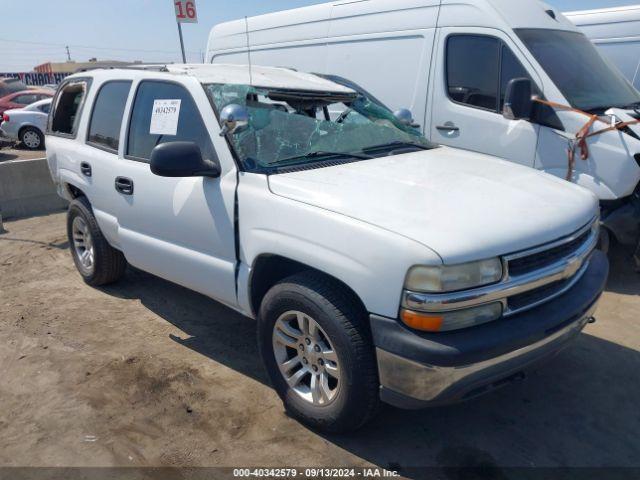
(164, 118)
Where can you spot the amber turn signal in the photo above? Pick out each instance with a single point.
(427, 322)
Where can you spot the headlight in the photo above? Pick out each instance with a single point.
(450, 278)
(454, 320)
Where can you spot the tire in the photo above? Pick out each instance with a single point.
(32, 138)
(107, 264)
(344, 323)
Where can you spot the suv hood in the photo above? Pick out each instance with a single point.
(465, 206)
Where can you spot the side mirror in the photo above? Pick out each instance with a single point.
(181, 159)
(405, 117)
(234, 119)
(518, 100)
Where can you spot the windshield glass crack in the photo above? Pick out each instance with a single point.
(298, 127)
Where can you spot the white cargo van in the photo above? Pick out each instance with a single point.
(616, 33)
(451, 62)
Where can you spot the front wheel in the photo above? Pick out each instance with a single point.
(318, 352)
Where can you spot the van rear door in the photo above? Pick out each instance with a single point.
(473, 68)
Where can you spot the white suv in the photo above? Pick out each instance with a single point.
(379, 266)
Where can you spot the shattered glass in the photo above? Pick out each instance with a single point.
(287, 128)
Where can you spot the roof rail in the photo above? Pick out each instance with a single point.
(154, 67)
(150, 67)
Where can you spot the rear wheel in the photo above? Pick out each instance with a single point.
(318, 352)
(32, 138)
(97, 261)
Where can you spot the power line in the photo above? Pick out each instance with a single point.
(90, 47)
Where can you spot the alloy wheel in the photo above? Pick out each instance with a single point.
(83, 244)
(306, 358)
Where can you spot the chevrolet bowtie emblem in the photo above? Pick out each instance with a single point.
(572, 267)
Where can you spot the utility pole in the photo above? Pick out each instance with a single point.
(185, 13)
(184, 58)
(68, 54)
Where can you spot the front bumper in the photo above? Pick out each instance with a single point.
(7, 136)
(418, 369)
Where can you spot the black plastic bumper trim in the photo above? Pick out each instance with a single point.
(497, 338)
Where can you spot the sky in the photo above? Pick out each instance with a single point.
(37, 31)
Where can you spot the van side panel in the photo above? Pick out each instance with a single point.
(310, 23)
(350, 18)
(403, 56)
(390, 36)
(503, 14)
(238, 57)
(608, 23)
(357, 40)
(307, 57)
(616, 33)
(228, 41)
(625, 55)
(231, 37)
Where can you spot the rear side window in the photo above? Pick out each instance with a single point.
(479, 68)
(68, 106)
(145, 132)
(106, 118)
(26, 99)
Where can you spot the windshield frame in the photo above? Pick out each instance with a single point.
(319, 162)
(617, 80)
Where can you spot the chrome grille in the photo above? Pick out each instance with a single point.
(532, 277)
(569, 254)
(534, 297)
(527, 264)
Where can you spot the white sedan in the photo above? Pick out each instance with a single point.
(27, 124)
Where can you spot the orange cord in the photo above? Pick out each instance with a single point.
(584, 133)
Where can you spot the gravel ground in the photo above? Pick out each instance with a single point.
(146, 373)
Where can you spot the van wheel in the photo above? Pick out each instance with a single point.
(32, 138)
(318, 352)
(97, 261)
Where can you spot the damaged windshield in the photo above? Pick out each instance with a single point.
(290, 128)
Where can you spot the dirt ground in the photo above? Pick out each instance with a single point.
(9, 151)
(148, 373)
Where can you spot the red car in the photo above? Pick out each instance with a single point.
(23, 98)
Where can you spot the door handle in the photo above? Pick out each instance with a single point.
(448, 127)
(85, 169)
(124, 185)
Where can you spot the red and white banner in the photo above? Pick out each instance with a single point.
(36, 78)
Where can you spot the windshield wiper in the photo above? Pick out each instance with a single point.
(598, 110)
(631, 106)
(396, 145)
(602, 109)
(299, 159)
